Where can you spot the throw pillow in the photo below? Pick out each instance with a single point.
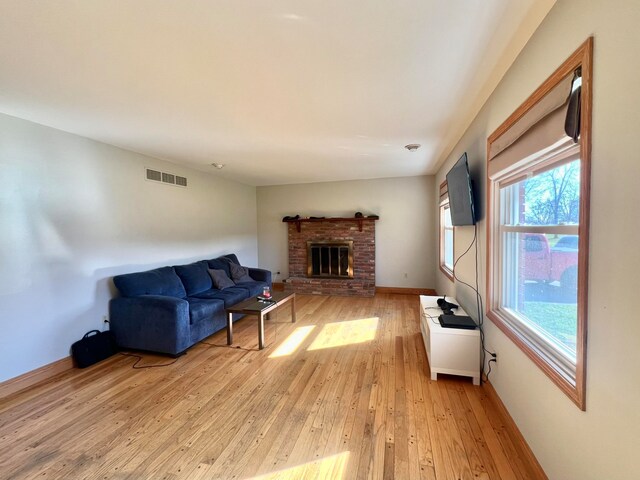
(220, 279)
(239, 273)
(220, 263)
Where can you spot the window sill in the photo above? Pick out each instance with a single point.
(448, 273)
(574, 392)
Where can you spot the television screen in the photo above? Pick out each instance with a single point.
(461, 194)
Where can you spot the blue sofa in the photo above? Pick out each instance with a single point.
(169, 309)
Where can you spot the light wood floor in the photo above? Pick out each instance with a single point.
(348, 397)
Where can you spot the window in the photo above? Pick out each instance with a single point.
(446, 233)
(538, 224)
(537, 277)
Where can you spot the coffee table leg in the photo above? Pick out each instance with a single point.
(229, 328)
(293, 309)
(261, 331)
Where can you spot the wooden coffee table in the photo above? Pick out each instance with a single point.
(253, 306)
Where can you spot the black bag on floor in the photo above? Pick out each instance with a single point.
(93, 348)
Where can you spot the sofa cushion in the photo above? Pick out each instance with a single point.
(230, 296)
(203, 309)
(195, 277)
(253, 288)
(239, 273)
(160, 281)
(220, 279)
(220, 263)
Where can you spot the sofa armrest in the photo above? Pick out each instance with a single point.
(155, 323)
(260, 275)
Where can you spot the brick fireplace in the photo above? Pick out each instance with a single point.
(322, 242)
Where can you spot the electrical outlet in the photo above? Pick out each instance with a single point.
(105, 319)
(494, 357)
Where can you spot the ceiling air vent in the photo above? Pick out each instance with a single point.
(168, 178)
(165, 177)
(154, 175)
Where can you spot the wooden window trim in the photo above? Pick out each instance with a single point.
(582, 57)
(444, 200)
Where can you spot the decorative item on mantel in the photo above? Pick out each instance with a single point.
(358, 217)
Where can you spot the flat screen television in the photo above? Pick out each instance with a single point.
(461, 194)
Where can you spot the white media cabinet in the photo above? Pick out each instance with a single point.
(453, 351)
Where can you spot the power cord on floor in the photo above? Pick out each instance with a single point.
(235, 347)
(140, 358)
(238, 347)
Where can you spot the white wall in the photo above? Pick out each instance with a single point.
(603, 441)
(404, 235)
(74, 212)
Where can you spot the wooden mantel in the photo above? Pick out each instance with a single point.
(358, 220)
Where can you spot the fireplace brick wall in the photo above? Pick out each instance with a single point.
(363, 283)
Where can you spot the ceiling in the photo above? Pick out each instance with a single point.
(280, 92)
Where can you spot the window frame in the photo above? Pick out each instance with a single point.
(444, 204)
(576, 391)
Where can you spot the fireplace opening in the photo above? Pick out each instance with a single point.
(330, 259)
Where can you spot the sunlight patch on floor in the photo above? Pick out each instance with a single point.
(328, 468)
(339, 334)
(292, 342)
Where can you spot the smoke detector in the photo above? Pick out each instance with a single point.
(412, 147)
(219, 166)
